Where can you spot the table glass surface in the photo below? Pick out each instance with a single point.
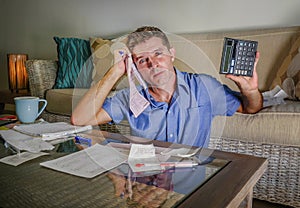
(30, 184)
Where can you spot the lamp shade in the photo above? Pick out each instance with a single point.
(17, 74)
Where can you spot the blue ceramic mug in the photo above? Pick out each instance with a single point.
(28, 108)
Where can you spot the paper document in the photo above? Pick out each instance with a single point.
(18, 159)
(25, 142)
(138, 103)
(275, 96)
(89, 162)
(143, 154)
(50, 131)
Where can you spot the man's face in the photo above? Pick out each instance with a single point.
(154, 61)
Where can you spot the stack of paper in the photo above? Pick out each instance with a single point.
(25, 142)
(37, 137)
(50, 131)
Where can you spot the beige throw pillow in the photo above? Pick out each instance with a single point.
(288, 75)
(103, 58)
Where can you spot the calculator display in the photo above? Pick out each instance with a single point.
(238, 57)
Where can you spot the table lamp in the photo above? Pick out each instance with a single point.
(17, 74)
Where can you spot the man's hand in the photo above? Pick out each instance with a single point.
(246, 84)
(120, 61)
(89, 110)
(252, 98)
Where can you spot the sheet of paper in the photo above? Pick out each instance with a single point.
(25, 142)
(89, 162)
(50, 131)
(275, 96)
(138, 103)
(141, 151)
(18, 159)
(143, 154)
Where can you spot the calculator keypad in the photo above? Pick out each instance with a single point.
(245, 58)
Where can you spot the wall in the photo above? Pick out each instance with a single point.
(29, 26)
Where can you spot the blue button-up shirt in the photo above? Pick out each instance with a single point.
(187, 119)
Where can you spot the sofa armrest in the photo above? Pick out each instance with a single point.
(41, 75)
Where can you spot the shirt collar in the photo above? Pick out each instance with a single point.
(182, 89)
(182, 85)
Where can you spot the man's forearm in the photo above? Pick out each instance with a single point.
(88, 109)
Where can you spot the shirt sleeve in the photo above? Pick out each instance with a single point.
(223, 100)
(117, 106)
(233, 100)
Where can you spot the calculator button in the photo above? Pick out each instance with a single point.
(232, 62)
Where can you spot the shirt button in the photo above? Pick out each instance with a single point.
(171, 135)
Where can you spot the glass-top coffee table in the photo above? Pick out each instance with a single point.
(221, 180)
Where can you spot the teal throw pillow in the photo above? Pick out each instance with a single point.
(75, 66)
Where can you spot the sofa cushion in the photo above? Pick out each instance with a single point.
(62, 101)
(274, 125)
(74, 63)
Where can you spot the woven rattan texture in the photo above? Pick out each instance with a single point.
(42, 79)
(281, 182)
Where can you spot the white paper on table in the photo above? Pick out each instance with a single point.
(89, 162)
(18, 159)
(143, 154)
(141, 151)
(50, 131)
(25, 142)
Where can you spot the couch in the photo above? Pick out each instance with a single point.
(273, 133)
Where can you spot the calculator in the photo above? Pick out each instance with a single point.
(238, 57)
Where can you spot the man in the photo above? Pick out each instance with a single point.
(182, 105)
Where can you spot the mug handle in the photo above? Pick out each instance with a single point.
(43, 107)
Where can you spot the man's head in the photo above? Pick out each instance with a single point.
(153, 56)
(143, 34)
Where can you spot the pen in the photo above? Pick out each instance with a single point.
(168, 164)
(83, 141)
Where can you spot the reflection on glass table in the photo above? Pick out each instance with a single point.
(170, 186)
